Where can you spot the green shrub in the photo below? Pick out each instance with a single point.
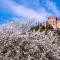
(34, 28)
(58, 31)
(42, 28)
(46, 31)
(48, 26)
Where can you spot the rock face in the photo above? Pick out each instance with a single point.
(29, 45)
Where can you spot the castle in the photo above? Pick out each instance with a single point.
(54, 22)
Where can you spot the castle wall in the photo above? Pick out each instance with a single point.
(58, 23)
(53, 21)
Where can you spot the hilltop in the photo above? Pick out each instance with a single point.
(35, 44)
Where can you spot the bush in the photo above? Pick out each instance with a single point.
(48, 26)
(34, 28)
(58, 31)
(42, 28)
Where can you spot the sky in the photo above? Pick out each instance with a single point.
(31, 9)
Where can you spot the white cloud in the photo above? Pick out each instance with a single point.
(19, 10)
(52, 6)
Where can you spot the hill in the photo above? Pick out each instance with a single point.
(38, 43)
(29, 45)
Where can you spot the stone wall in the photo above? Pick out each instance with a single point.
(54, 22)
(58, 23)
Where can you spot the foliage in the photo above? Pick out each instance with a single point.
(34, 28)
(48, 26)
(42, 27)
(58, 31)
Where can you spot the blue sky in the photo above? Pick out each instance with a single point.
(32, 9)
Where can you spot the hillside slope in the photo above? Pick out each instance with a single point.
(17, 45)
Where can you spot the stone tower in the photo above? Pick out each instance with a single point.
(52, 20)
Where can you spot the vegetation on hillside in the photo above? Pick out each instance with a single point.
(42, 28)
(58, 31)
(34, 28)
(29, 46)
(18, 45)
(48, 26)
